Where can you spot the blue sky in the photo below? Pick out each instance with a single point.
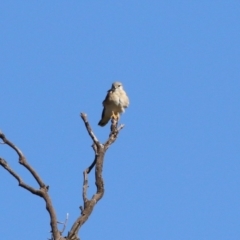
(173, 173)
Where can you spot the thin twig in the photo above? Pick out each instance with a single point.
(88, 170)
(89, 129)
(64, 224)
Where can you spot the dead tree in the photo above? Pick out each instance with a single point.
(88, 204)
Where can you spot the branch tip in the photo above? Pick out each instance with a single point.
(89, 129)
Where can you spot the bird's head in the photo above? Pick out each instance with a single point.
(117, 86)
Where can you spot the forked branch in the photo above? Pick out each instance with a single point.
(41, 192)
(99, 151)
(88, 204)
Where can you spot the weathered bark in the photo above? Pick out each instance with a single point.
(88, 204)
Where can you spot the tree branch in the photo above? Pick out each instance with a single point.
(99, 150)
(42, 192)
(89, 129)
(22, 160)
(4, 164)
(65, 223)
(88, 204)
(113, 134)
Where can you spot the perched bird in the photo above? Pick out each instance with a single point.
(115, 103)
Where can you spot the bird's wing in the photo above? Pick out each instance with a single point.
(124, 99)
(106, 115)
(107, 108)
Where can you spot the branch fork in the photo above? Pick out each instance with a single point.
(88, 204)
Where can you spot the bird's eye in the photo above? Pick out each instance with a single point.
(119, 85)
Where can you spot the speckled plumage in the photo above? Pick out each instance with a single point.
(115, 103)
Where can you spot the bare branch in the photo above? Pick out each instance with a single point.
(113, 134)
(4, 164)
(88, 204)
(88, 170)
(42, 192)
(89, 129)
(85, 186)
(87, 209)
(64, 224)
(22, 160)
(99, 150)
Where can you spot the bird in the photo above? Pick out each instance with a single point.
(115, 103)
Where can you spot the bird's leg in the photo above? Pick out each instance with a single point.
(118, 116)
(114, 116)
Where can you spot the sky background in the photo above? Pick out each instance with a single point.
(173, 173)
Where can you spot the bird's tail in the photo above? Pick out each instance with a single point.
(102, 123)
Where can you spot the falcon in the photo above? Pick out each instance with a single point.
(115, 103)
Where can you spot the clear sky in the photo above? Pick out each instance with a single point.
(173, 173)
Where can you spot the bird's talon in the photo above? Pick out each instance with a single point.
(114, 116)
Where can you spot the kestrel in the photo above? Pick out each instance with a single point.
(115, 103)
